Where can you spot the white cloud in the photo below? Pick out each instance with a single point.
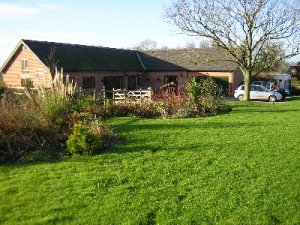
(13, 11)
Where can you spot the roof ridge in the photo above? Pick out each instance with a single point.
(76, 45)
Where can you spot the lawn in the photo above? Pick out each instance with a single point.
(237, 168)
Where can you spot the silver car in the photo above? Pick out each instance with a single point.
(258, 92)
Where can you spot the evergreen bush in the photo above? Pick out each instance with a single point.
(83, 141)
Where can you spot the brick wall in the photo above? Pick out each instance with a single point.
(156, 79)
(37, 71)
(100, 75)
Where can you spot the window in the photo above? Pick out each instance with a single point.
(115, 82)
(259, 88)
(24, 65)
(26, 82)
(171, 79)
(88, 83)
(170, 84)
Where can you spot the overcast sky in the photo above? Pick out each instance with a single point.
(109, 23)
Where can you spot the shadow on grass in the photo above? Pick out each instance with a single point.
(36, 157)
(178, 136)
(169, 127)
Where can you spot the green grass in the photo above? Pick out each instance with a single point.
(237, 168)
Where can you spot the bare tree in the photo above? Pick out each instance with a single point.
(245, 29)
(190, 45)
(146, 45)
(51, 62)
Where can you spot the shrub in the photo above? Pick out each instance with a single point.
(15, 136)
(40, 122)
(14, 97)
(295, 86)
(164, 105)
(172, 104)
(22, 133)
(205, 96)
(84, 103)
(108, 137)
(53, 105)
(2, 88)
(36, 121)
(143, 109)
(82, 141)
(90, 137)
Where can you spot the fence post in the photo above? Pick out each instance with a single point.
(125, 93)
(79, 91)
(140, 96)
(104, 97)
(113, 90)
(150, 92)
(94, 94)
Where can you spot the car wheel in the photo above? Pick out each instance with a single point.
(240, 97)
(272, 98)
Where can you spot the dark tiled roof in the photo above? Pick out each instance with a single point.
(153, 63)
(92, 58)
(85, 58)
(206, 59)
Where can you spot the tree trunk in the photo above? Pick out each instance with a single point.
(247, 75)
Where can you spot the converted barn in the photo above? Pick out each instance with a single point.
(94, 67)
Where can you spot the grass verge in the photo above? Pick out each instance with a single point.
(240, 167)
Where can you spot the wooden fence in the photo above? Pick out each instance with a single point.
(119, 94)
(115, 95)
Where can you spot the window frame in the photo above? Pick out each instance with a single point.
(24, 65)
(26, 82)
(166, 77)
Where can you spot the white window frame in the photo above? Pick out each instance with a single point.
(25, 65)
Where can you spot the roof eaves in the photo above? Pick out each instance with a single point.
(230, 71)
(35, 54)
(190, 70)
(22, 42)
(104, 70)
